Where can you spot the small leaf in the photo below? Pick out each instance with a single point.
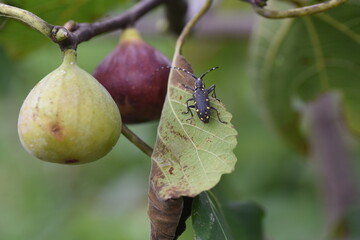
(191, 155)
(304, 57)
(208, 220)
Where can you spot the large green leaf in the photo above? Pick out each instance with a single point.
(19, 38)
(208, 219)
(190, 155)
(302, 57)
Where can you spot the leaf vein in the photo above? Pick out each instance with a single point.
(217, 156)
(197, 153)
(210, 133)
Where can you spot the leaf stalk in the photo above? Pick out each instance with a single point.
(298, 12)
(27, 17)
(189, 26)
(132, 137)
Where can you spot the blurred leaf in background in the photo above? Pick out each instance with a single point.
(302, 58)
(245, 220)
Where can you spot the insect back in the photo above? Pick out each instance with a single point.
(200, 100)
(201, 104)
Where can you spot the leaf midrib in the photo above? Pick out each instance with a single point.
(192, 142)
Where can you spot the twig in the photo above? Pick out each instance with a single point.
(132, 137)
(72, 36)
(297, 12)
(27, 17)
(86, 31)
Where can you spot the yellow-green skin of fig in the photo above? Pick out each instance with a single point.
(68, 117)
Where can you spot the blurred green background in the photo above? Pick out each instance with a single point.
(107, 199)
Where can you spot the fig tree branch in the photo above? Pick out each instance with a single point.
(84, 31)
(297, 12)
(74, 33)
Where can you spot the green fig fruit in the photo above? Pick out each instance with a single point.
(133, 76)
(69, 117)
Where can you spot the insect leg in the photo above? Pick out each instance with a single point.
(212, 89)
(218, 114)
(188, 107)
(191, 106)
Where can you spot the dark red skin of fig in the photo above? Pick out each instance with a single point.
(133, 76)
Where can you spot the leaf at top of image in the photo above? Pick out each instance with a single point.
(298, 59)
(190, 156)
(20, 39)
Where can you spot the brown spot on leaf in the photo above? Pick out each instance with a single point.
(177, 133)
(167, 216)
(175, 191)
(167, 210)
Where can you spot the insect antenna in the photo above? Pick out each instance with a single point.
(181, 69)
(202, 75)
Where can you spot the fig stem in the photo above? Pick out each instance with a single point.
(27, 17)
(188, 27)
(132, 137)
(296, 12)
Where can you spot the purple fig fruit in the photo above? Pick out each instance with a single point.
(133, 76)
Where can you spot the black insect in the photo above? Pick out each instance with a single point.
(200, 97)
